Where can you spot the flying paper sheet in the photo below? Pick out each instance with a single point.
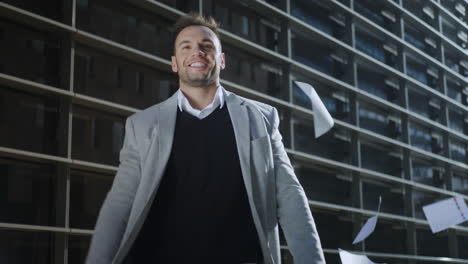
(446, 213)
(368, 227)
(349, 258)
(322, 118)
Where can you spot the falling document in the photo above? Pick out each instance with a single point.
(349, 258)
(322, 118)
(368, 227)
(446, 213)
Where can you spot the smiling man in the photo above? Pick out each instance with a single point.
(203, 176)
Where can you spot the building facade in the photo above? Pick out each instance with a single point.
(393, 74)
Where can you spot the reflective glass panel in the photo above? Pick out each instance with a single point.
(29, 121)
(97, 136)
(31, 193)
(87, 193)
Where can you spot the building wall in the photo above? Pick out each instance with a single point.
(392, 74)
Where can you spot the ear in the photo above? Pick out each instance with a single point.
(174, 63)
(223, 62)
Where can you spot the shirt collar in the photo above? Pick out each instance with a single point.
(183, 102)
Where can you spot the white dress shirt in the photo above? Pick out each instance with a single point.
(184, 104)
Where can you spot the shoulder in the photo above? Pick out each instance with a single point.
(263, 108)
(268, 112)
(145, 120)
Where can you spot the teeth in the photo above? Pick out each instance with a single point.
(197, 64)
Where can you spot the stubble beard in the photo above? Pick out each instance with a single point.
(197, 82)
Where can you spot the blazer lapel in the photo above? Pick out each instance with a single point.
(155, 164)
(241, 125)
(167, 118)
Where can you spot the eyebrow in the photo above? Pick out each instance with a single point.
(188, 41)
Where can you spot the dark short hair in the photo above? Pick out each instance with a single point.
(193, 19)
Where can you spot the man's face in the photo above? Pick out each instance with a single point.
(198, 58)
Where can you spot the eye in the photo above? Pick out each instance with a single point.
(208, 47)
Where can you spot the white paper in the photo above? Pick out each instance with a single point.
(446, 213)
(366, 230)
(322, 118)
(349, 258)
(368, 227)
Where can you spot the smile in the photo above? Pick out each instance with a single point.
(197, 65)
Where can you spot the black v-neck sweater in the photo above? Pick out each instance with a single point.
(201, 212)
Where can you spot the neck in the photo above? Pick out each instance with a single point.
(199, 97)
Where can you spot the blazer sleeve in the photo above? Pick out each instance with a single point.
(115, 211)
(294, 212)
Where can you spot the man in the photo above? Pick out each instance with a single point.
(203, 176)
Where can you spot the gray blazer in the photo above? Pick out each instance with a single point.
(275, 195)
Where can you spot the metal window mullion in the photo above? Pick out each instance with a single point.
(400, 40)
(200, 6)
(448, 13)
(406, 13)
(285, 45)
(368, 173)
(411, 238)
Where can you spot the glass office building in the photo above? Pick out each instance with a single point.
(392, 73)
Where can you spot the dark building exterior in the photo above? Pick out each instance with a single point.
(392, 74)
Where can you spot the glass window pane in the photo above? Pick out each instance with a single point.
(87, 193)
(455, 62)
(335, 228)
(453, 31)
(392, 196)
(21, 247)
(455, 91)
(325, 184)
(253, 72)
(394, 235)
(31, 193)
(378, 84)
(53, 9)
(320, 55)
(332, 258)
(381, 158)
(117, 80)
(392, 260)
(457, 120)
(376, 46)
(336, 101)
(417, 38)
(460, 182)
(423, 104)
(321, 16)
(382, 121)
(78, 248)
(183, 5)
(125, 24)
(422, 10)
(286, 257)
(378, 13)
(458, 151)
(429, 244)
(38, 114)
(419, 70)
(97, 136)
(335, 144)
(21, 43)
(423, 138)
(428, 172)
(421, 198)
(241, 19)
(285, 125)
(462, 241)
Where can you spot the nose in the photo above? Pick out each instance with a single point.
(200, 51)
